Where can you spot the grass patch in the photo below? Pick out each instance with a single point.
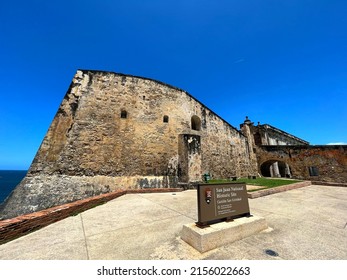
(266, 183)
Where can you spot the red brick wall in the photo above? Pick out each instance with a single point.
(13, 228)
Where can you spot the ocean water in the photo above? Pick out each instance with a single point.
(9, 179)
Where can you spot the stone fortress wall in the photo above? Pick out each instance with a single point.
(324, 163)
(280, 154)
(270, 135)
(120, 132)
(115, 131)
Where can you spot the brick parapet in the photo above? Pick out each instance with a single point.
(11, 229)
(334, 184)
(260, 193)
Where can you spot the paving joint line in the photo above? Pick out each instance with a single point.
(167, 207)
(85, 237)
(131, 226)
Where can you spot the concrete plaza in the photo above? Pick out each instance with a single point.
(305, 223)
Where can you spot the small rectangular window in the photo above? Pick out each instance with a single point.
(166, 119)
(313, 170)
(123, 114)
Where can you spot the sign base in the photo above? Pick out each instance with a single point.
(227, 220)
(220, 234)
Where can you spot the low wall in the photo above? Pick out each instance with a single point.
(11, 229)
(284, 188)
(42, 191)
(329, 184)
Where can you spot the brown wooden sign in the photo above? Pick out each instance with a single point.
(218, 202)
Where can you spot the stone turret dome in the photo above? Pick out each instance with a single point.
(247, 121)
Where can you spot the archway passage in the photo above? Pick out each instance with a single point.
(275, 168)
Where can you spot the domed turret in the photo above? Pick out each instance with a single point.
(247, 121)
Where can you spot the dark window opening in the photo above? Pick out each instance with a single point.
(166, 119)
(196, 123)
(257, 139)
(123, 114)
(313, 171)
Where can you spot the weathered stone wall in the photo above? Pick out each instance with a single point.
(275, 137)
(114, 131)
(89, 137)
(247, 130)
(330, 162)
(268, 135)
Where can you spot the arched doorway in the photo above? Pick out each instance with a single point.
(275, 168)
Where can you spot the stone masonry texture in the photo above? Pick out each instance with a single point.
(116, 132)
(330, 161)
(322, 163)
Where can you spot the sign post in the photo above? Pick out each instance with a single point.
(221, 202)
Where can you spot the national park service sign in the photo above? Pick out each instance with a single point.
(219, 202)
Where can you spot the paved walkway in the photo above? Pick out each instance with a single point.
(306, 223)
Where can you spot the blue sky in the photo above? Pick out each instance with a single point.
(279, 62)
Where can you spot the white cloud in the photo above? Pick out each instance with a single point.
(337, 143)
(239, 60)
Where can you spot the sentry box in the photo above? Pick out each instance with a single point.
(221, 202)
